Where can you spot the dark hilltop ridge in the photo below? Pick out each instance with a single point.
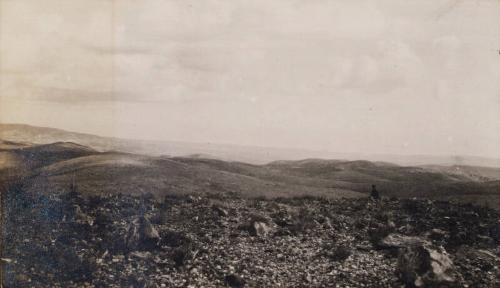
(74, 216)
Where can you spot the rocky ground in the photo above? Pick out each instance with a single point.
(217, 241)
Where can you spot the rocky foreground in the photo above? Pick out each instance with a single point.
(219, 241)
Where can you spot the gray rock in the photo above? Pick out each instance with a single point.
(400, 241)
(148, 231)
(424, 265)
(141, 234)
(377, 231)
(259, 229)
(220, 211)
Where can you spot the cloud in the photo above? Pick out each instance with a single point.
(447, 8)
(79, 96)
(104, 50)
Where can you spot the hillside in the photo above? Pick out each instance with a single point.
(51, 168)
(34, 156)
(132, 174)
(8, 145)
(44, 135)
(473, 173)
(392, 180)
(473, 184)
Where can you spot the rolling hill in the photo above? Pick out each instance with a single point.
(51, 168)
(473, 173)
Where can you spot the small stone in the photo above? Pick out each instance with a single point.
(234, 281)
(341, 253)
(220, 211)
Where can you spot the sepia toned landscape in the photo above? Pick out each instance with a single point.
(242, 144)
(78, 217)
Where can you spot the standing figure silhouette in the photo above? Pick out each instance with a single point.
(374, 193)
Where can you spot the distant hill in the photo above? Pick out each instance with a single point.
(51, 168)
(473, 173)
(21, 133)
(35, 156)
(250, 154)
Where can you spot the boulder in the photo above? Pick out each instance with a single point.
(148, 231)
(378, 231)
(420, 263)
(141, 234)
(259, 228)
(424, 265)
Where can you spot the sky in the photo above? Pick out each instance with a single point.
(396, 77)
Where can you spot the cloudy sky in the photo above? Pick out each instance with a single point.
(402, 77)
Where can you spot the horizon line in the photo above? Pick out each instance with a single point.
(258, 146)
